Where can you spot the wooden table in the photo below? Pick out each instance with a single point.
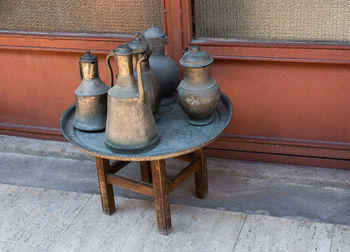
(159, 187)
(178, 140)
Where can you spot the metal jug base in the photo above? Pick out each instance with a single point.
(133, 148)
(89, 128)
(200, 122)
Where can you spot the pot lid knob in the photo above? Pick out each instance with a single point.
(138, 45)
(155, 36)
(88, 58)
(123, 50)
(154, 33)
(196, 57)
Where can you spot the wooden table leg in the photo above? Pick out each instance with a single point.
(201, 176)
(161, 196)
(146, 172)
(106, 190)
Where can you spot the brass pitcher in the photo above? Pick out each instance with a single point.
(130, 124)
(151, 84)
(90, 96)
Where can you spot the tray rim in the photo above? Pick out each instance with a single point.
(134, 156)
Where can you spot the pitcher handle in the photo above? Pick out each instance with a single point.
(139, 76)
(110, 70)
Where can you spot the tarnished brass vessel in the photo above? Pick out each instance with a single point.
(199, 93)
(163, 66)
(130, 124)
(90, 96)
(150, 81)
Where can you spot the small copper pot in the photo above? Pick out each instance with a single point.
(199, 93)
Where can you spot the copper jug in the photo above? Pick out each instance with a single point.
(199, 93)
(90, 96)
(163, 66)
(150, 81)
(130, 124)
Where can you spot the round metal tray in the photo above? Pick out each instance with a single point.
(177, 137)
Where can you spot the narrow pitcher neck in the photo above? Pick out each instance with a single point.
(125, 67)
(197, 75)
(158, 49)
(88, 70)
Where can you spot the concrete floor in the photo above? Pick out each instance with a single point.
(34, 219)
(239, 213)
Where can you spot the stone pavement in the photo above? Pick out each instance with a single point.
(49, 202)
(35, 219)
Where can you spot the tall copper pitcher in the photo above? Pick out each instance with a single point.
(130, 124)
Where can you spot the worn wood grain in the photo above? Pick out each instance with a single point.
(146, 172)
(184, 174)
(130, 184)
(161, 197)
(201, 176)
(106, 189)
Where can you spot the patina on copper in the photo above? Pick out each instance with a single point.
(177, 136)
(163, 66)
(90, 96)
(150, 81)
(199, 93)
(130, 124)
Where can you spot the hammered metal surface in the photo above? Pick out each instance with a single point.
(177, 137)
(294, 20)
(101, 16)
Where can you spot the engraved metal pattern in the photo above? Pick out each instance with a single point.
(98, 16)
(177, 136)
(293, 20)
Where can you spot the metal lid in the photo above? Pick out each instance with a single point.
(196, 58)
(155, 35)
(138, 45)
(123, 50)
(88, 58)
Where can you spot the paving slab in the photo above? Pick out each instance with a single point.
(10, 247)
(126, 230)
(7, 193)
(198, 229)
(265, 233)
(341, 239)
(33, 214)
(34, 219)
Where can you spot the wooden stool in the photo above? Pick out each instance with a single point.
(179, 139)
(152, 172)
